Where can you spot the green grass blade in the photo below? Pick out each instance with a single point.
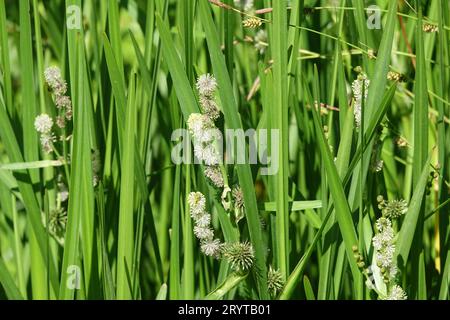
(126, 213)
(8, 284)
(280, 121)
(232, 281)
(408, 229)
(309, 292)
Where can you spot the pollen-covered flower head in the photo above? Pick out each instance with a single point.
(206, 85)
(208, 154)
(203, 220)
(396, 293)
(214, 174)
(54, 80)
(52, 76)
(209, 107)
(385, 256)
(63, 102)
(238, 198)
(203, 233)
(211, 248)
(201, 127)
(43, 123)
(47, 140)
(240, 255)
(197, 204)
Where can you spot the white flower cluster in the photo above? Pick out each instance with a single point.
(43, 122)
(396, 293)
(203, 129)
(383, 242)
(58, 86)
(204, 132)
(362, 83)
(202, 229)
(384, 245)
(43, 125)
(207, 86)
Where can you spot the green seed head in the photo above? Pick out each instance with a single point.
(240, 255)
(275, 281)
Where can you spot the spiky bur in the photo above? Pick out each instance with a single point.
(392, 209)
(359, 85)
(240, 255)
(275, 281)
(56, 226)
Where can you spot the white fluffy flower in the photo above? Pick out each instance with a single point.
(201, 127)
(215, 176)
(357, 87)
(211, 248)
(383, 224)
(54, 80)
(385, 255)
(52, 76)
(203, 220)
(208, 154)
(396, 293)
(209, 107)
(197, 204)
(43, 123)
(206, 84)
(203, 233)
(47, 140)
